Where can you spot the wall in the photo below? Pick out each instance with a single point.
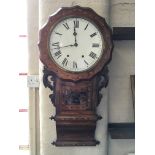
(33, 69)
(117, 97)
(120, 99)
(121, 67)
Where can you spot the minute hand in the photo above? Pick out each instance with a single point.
(75, 34)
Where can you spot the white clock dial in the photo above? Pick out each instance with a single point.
(76, 44)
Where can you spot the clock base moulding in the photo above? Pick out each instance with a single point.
(76, 105)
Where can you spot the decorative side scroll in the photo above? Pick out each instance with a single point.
(48, 81)
(103, 80)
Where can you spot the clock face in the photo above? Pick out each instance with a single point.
(76, 44)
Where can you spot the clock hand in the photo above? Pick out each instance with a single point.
(75, 34)
(64, 46)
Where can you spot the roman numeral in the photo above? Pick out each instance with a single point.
(86, 26)
(74, 64)
(58, 33)
(56, 45)
(95, 45)
(92, 35)
(65, 62)
(66, 26)
(86, 62)
(92, 55)
(76, 24)
(58, 53)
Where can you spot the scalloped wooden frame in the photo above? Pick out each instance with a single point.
(75, 11)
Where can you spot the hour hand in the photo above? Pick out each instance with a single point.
(58, 47)
(67, 46)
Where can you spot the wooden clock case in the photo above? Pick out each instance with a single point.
(75, 95)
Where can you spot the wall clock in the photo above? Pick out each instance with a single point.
(75, 48)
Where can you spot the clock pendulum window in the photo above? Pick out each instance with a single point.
(75, 48)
